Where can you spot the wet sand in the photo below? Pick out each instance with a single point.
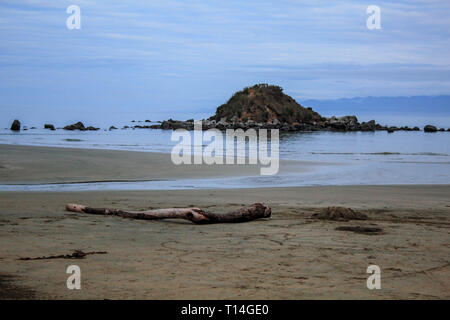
(292, 255)
(37, 165)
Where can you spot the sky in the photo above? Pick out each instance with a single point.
(159, 57)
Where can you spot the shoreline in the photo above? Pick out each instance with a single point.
(169, 185)
(37, 168)
(51, 165)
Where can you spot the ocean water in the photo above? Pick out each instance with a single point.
(352, 158)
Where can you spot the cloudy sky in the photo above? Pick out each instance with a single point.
(192, 55)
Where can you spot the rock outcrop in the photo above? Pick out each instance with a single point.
(429, 128)
(264, 103)
(49, 126)
(15, 126)
(80, 126)
(76, 126)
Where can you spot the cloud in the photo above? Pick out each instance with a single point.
(209, 48)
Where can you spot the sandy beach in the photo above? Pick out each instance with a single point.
(292, 255)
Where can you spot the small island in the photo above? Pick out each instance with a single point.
(264, 106)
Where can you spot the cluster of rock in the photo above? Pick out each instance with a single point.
(347, 123)
(430, 128)
(350, 123)
(80, 126)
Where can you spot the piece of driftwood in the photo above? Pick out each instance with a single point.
(196, 215)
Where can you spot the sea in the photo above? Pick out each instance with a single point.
(349, 158)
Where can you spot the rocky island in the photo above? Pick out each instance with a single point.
(264, 106)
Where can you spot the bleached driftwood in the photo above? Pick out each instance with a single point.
(196, 215)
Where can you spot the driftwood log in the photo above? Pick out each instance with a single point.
(196, 215)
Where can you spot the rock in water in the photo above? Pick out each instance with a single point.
(368, 126)
(15, 126)
(49, 126)
(343, 123)
(430, 128)
(91, 128)
(76, 126)
(80, 126)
